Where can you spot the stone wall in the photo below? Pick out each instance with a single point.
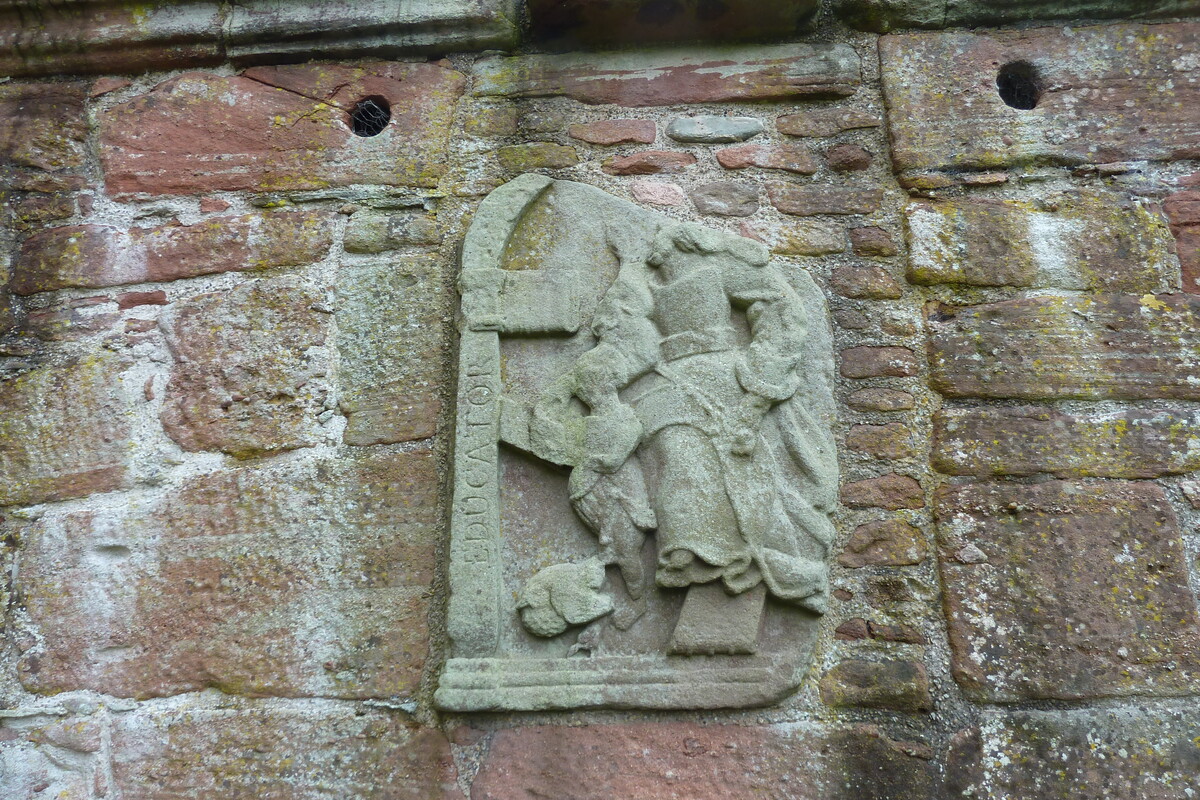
(227, 388)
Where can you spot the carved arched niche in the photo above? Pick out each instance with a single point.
(644, 462)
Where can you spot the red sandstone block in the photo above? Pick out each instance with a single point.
(821, 122)
(245, 380)
(865, 283)
(891, 543)
(1087, 347)
(64, 432)
(1183, 211)
(287, 749)
(1066, 591)
(43, 126)
(280, 129)
(307, 578)
(94, 256)
(649, 162)
(889, 684)
(615, 131)
(872, 242)
(1129, 443)
(789, 158)
(694, 761)
(809, 200)
(1107, 93)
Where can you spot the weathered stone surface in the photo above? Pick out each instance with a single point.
(865, 283)
(809, 200)
(1183, 210)
(1146, 751)
(49, 756)
(888, 543)
(249, 369)
(279, 129)
(889, 441)
(1118, 346)
(114, 37)
(1066, 591)
(692, 761)
(889, 491)
(570, 23)
(298, 579)
(1070, 240)
(685, 75)
(43, 126)
(615, 131)
(878, 362)
(802, 237)
(823, 122)
(846, 157)
(725, 198)
(1027, 440)
(884, 15)
(892, 685)
(872, 242)
(649, 162)
(278, 749)
(1107, 93)
(392, 323)
(94, 256)
(64, 432)
(529, 548)
(489, 120)
(376, 232)
(789, 158)
(657, 193)
(714, 129)
(537, 155)
(880, 400)
(285, 32)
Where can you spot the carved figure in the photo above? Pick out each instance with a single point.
(644, 467)
(683, 452)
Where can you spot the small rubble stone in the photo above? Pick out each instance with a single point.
(878, 362)
(881, 400)
(488, 121)
(847, 157)
(615, 131)
(726, 198)
(852, 630)
(802, 237)
(872, 242)
(788, 158)
(892, 685)
(851, 319)
(890, 441)
(825, 122)
(810, 200)
(889, 543)
(657, 193)
(649, 162)
(891, 492)
(714, 129)
(865, 283)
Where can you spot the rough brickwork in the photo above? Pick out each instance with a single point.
(228, 337)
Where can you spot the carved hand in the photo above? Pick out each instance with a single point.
(744, 423)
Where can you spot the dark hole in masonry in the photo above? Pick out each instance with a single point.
(1019, 85)
(370, 116)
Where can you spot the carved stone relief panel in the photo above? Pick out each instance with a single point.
(644, 462)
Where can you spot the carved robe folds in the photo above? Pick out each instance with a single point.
(644, 464)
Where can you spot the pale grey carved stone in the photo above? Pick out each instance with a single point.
(644, 464)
